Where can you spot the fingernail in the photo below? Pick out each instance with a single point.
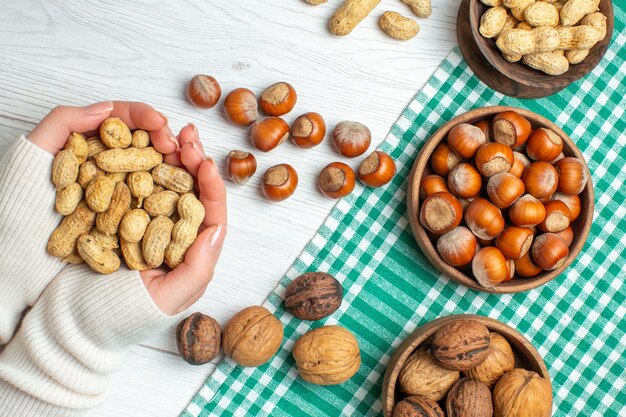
(164, 117)
(171, 138)
(210, 160)
(199, 151)
(99, 108)
(217, 238)
(195, 130)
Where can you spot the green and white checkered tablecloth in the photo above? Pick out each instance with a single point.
(577, 321)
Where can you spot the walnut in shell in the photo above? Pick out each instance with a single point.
(252, 336)
(327, 355)
(461, 345)
(522, 393)
(313, 296)
(417, 406)
(469, 398)
(198, 338)
(422, 375)
(499, 361)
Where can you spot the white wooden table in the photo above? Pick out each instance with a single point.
(79, 51)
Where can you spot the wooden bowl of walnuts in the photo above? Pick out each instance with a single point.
(466, 365)
(500, 199)
(531, 75)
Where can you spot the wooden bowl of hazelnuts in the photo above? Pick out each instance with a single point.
(500, 199)
(466, 365)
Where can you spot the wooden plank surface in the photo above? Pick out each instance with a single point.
(78, 51)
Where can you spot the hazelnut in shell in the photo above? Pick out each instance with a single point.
(485, 126)
(432, 184)
(484, 219)
(417, 406)
(203, 91)
(377, 169)
(440, 213)
(572, 202)
(336, 180)
(199, 338)
(525, 267)
(240, 166)
(540, 179)
(527, 211)
(464, 181)
(308, 130)
(549, 251)
(469, 398)
(278, 99)
(443, 159)
(522, 393)
(499, 361)
(515, 241)
(504, 189)
(457, 247)
(423, 375)
(253, 336)
(510, 128)
(461, 345)
(491, 268)
(520, 162)
(241, 107)
(557, 217)
(313, 296)
(573, 175)
(351, 138)
(567, 235)
(465, 139)
(280, 182)
(544, 145)
(493, 158)
(269, 132)
(328, 355)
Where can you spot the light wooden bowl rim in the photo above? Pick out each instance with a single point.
(583, 223)
(518, 342)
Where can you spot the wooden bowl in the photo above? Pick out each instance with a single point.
(526, 356)
(580, 226)
(514, 78)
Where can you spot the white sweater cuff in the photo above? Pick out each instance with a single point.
(77, 334)
(27, 218)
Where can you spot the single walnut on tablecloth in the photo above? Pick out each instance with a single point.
(198, 338)
(313, 296)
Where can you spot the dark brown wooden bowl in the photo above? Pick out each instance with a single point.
(514, 78)
(580, 226)
(526, 356)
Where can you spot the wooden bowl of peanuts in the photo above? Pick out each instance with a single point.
(532, 49)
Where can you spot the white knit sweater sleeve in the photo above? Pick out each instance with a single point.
(27, 218)
(74, 338)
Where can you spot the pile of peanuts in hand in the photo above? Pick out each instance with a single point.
(548, 35)
(120, 199)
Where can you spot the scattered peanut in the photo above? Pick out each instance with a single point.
(185, 231)
(78, 145)
(101, 260)
(161, 204)
(492, 21)
(173, 178)
(109, 221)
(64, 169)
(140, 139)
(128, 160)
(115, 134)
(421, 8)
(67, 199)
(155, 240)
(99, 192)
(398, 26)
(62, 241)
(350, 14)
(133, 225)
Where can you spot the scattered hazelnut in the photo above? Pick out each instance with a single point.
(308, 130)
(269, 132)
(422, 375)
(440, 213)
(252, 336)
(313, 296)
(469, 398)
(204, 91)
(278, 99)
(241, 107)
(198, 338)
(351, 138)
(522, 393)
(328, 355)
(377, 169)
(458, 246)
(461, 345)
(443, 159)
(510, 128)
(240, 166)
(417, 406)
(336, 180)
(499, 361)
(279, 182)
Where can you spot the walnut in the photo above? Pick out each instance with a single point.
(327, 355)
(469, 398)
(461, 345)
(198, 338)
(313, 296)
(417, 406)
(422, 375)
(521, 393)
(499, 361)
(252, 336)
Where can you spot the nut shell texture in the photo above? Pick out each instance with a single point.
(252, 336)
(422, 375)
(469, 398)
(522, 393)
(313, 296)
(198, 338)
(499, 361)
(461, 345)
(417, 406)
(327, 355)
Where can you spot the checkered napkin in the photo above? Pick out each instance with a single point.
(577, 321)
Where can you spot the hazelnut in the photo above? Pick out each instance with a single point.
(278, 99)
(510, 128)
(458, 246)
(204, 91)
(567, 235)
(351, 138)
(422, 375)
(269, 132)
(377, 169)
(573, 175)
(499, 361)
(485, 126)
(440, 213)
(252, 336)
(484, 219)
(491, 268)
(461, 345)
(442, 160)
(336, 180)
(313, 296)
(549, 251)
(432, 184)
(504, 189)
(240, 166)
(514, 241)
(417, 406)
(522, 393)
(328, 355)
(198, 338)
(469, 398)
(557, 217)
(493, 158)
(540, 179)
(465, 139)
(544, 145)
(280, 182)
(572, 202)
(241, 107)
(520, 162)
(308, 130)
(464, 181)
(525, 267)
(527, 211)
